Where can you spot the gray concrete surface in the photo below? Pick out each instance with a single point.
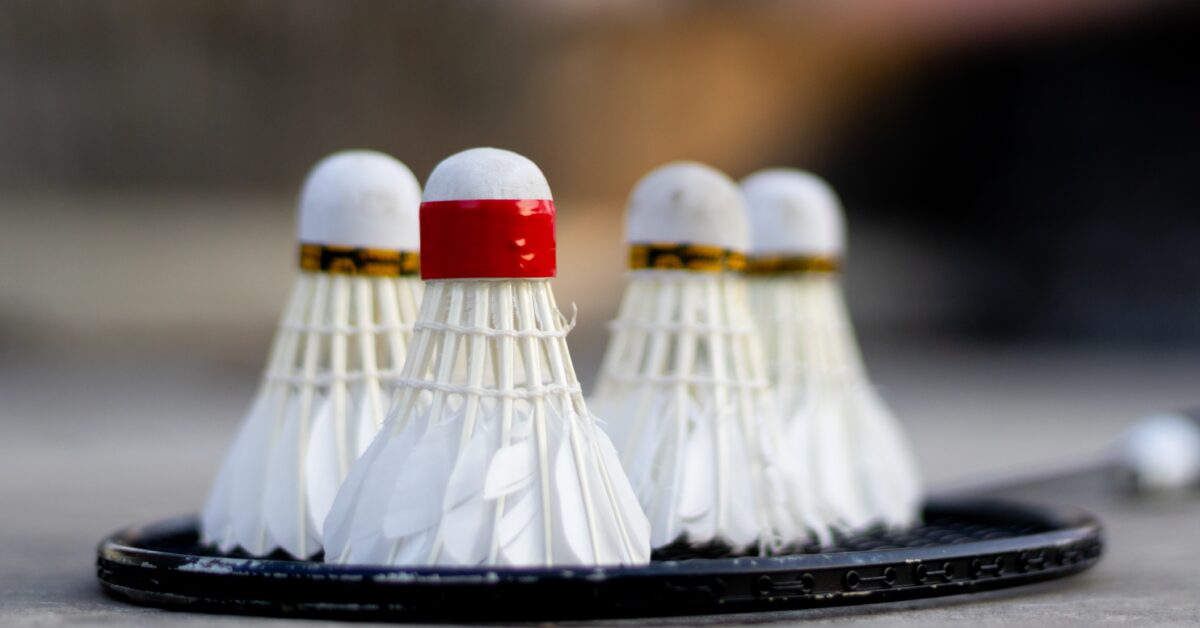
(92, 443)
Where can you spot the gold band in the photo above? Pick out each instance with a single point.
(350, 260)
(696, 257)
(780, 264)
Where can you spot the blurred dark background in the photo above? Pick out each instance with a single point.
(1013, 170)
(1018, 176)
(1056, 173)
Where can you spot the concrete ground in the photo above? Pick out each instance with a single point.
(93, 444)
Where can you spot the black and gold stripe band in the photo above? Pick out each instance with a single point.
(781, 264)
(694, 257)
(350, 260)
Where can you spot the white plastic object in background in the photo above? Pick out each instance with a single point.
(1161, 452)
(361, 198)
(687, 203)
(794, 213)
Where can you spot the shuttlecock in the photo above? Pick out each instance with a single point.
(835, 422)
(341, 342)
(490, 456)
(683, 386)
(1160, 452)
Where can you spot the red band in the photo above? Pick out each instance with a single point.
(487, 239)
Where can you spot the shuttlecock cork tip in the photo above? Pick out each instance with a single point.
(487, 213)
(793, 212)
(687, 203)
(486, 174)
(361, 198)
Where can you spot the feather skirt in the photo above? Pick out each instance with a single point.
(836, 424)
(683, 390)
(325, 392)
(490, 456)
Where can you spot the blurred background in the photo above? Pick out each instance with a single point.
(1014, 170)
(1021, 179)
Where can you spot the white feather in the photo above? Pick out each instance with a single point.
(628, 529)
(339, 339)
(365, 421)
(697, 498)
(743, 508)
(216, 523)
(519, 532)
(230, 494)
(324, 463)
(248, 460)
(573, 534)
(690, 411)
(858, 461)
(465, 520)
(287, 514)
(321, 464)
(344, 500)
(512, 468)
(890, 475)
(387, 457)
(415, 503)
(802, 488)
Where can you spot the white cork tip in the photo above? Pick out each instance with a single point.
(687, 203)
(486, 174)
(793, 212)
(361, 198)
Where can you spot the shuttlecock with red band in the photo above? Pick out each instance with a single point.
(683, 387)
(838, 427)
(342, 339)
(490, 456)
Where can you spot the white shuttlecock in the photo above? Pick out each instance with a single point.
(342, 340)
(683, 386)
(835, 421)
(490, 456)
(1160, 453)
